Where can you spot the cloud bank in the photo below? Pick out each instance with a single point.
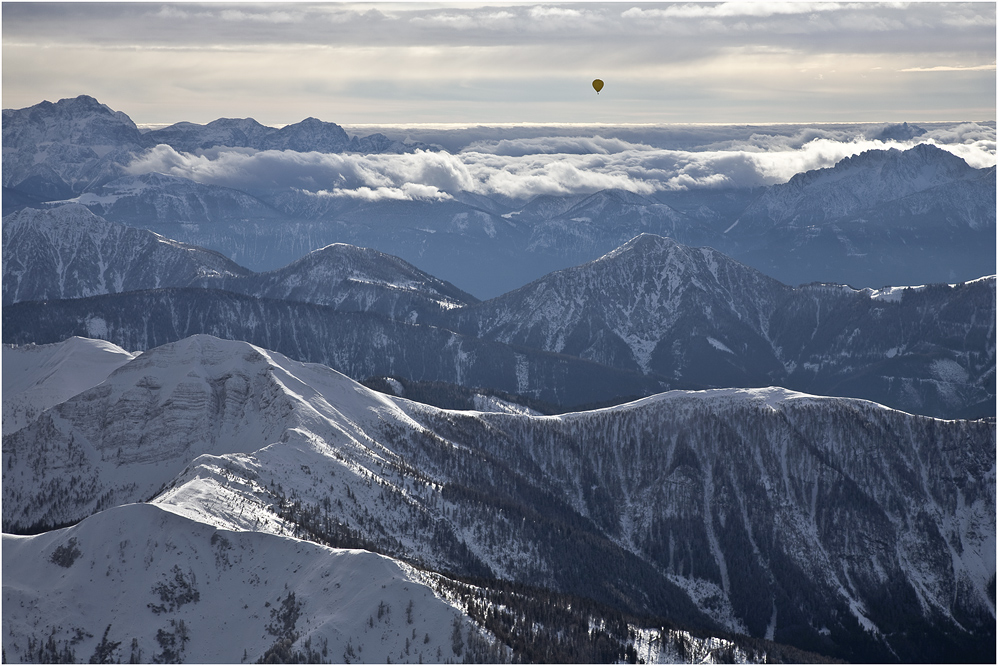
(749, 62)
(525, 167)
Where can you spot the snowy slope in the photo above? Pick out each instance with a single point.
(121, 441)
(156, 587)
(175, 590)
(714, 506)
(663, 482)
(184, 590)
(352, 279)
(36, 377)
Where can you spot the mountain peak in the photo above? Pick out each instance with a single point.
(339, 273)
(895, 132)
(856, 183)
(649, 294)
(645, 245)
(69, 216)
(647, 241)
(617, 195)
(83, 101)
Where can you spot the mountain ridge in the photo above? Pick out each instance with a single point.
(696, 315)
(70, 252)
(933, 234)
(515, 495)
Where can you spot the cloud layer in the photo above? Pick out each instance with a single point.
(407, 62)
(524, 167)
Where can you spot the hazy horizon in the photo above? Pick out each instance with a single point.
(384, 64)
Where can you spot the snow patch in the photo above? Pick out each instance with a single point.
(489, 403)
(96, 327)
(948, 370)
(717, 344)
(712, 600)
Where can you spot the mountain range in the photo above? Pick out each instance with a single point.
(649, 316)
(882, 210)
(883, 217)
(721, 509)
(699, 318)
(645, 444)
(69, 252)
(66, 148)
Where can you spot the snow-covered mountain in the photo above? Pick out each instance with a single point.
(831, 524)
(68, 252)
(361, 345)
(158, 496)
(639, 307)
(185, 591)
(465, 244)
(699, 318)
(174, 201)
(854, 184)
(352, 279)
(685, 317)
(880, 217)
(163, 562)
(36, 377)
(55, 151)
(926, 349)
(606, 220)
(308, 135)
(174, 590)
(192, 137)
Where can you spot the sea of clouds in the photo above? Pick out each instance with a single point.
(525, 162)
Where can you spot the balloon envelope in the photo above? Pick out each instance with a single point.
(598, 85)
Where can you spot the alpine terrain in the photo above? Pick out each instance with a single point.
(288, 394)
(714, 506)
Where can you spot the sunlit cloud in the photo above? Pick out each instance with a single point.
(734, 9)
(408, 192)
(952, 68)
(261, 17)
(557, 165)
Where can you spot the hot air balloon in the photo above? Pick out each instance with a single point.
(598, 85)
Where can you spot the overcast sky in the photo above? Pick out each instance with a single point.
(741, 62)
